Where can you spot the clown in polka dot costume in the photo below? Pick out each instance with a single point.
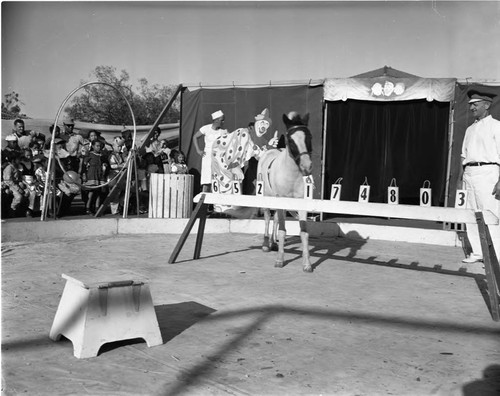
(232, 151)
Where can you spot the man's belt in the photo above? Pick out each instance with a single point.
(480, 163)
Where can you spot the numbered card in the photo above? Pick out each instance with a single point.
(259, 188)
(364, 193)
(393, 195)
(215, 186)
(335, 193)
(308, 187)
(425, 196)
(236, 187)
(461, 199)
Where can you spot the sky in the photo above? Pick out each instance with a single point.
(49, 48)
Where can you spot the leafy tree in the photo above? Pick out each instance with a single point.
(99, 103)
(11, 106)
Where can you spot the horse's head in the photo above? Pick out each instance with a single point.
(299, 140)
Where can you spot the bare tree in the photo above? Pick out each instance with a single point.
(100, 104)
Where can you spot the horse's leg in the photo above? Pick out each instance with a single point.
(267, 220)
(304, 238)
(274, 236)
(281, 238)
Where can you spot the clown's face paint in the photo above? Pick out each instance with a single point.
(261, 127)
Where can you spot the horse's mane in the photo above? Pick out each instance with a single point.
(294, 119)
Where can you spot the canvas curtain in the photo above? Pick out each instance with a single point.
(380, 141)
(240, 106)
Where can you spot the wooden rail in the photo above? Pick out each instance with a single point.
(412, 212)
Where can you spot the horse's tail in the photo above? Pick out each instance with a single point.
(263, 168)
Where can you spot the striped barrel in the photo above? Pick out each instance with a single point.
(170, 196)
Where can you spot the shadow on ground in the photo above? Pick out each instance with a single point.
(191, 376)
(489, 385)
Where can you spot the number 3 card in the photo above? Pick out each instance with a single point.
(461, 199)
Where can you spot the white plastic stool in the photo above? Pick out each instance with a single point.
(93, 314)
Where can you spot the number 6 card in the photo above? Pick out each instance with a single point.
(215, 186)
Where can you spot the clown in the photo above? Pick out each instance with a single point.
(232, 151)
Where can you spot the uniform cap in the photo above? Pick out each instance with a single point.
(476, 96)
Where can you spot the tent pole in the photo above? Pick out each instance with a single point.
(145, 140)
(448, 165)
(451, 129)
(127, 185)
(136, 175)
(323, 154)
(451, 124)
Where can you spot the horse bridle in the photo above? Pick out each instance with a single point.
(291, 143)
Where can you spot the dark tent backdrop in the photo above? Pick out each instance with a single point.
(387, 124)
(378, 141)
(462, 119)
(241, 105)
(380, 138)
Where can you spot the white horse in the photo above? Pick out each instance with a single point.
(282, 173)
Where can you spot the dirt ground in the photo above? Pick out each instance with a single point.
(374, 318)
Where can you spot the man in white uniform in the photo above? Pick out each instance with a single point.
(210, 133)
(481, 165)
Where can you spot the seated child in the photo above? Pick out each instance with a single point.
(178, 163)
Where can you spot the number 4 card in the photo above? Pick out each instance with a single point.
(364, 193)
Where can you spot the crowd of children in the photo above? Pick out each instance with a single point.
(85, 165)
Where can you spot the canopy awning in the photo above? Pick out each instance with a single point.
(387, 84)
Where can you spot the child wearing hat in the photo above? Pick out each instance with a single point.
(12, 147)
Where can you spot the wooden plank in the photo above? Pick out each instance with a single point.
(413, 212)
(181, 185)
(201, 232)
(188, 195)
(187, 230)
(167, 197)
(182, 196)
(160, 207)
(172, 196)
(153, 196)
(175, 196)
(490, 262)
(189, 199)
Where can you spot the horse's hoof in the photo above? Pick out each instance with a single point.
(308, 269)
(265, 248)
(278, 264)
(274, 247)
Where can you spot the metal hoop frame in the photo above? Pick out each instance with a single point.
(128, 162)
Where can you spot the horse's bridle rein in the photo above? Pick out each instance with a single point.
(290, 132)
